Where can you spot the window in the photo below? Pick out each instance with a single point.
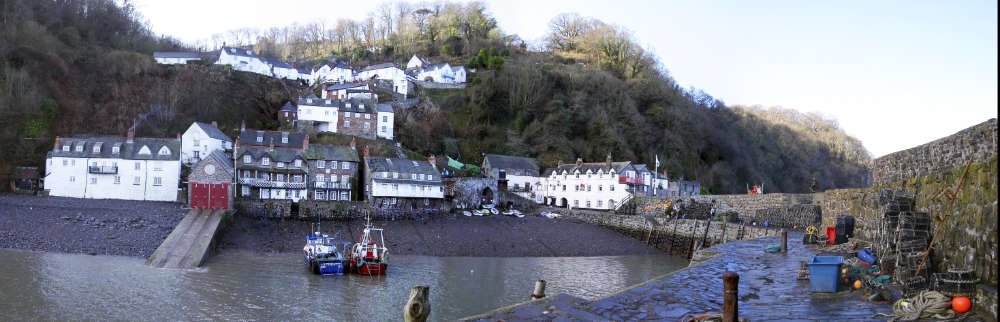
(281, 164)
(345, 165)
(576, 203)
(65, 162)
(157, 181)
(347, 114)
(320, 195)
(93, 180)
(326, 113)
(385, 118)
(265, 161)
(564, 187)
(260, 139)
(588, 187)
(368, 116)
(135, 180)
(246, 191)
(395, 175)
(599, 204)
(600, 188)
(344, 178)
(298, 163)
(333, 164)
(72, 179)
(345, 195)
(65, 148)
(97, 148)
(79, 147)
(383, 128)
(588, 203)
(247, 159)
(118, 179)
(281, 177)
(367, 125)
(138, 166)
(357, 115)
(320, 178)
(611, 187)
(297, 179)
(413, 176)
(164, 151)
(395, 187)
(347, 123)
(197, 154)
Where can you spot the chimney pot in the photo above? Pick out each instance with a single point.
(433, 161)
(243, 126)
(55, 147)
(215, 124)
(352, 144)
(579, 161)
(608, 162)
(305, 142)
(271, 147)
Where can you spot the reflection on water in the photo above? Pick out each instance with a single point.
(243, 285)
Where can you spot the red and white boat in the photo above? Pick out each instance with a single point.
(368, 256)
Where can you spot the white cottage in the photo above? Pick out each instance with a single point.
(114, 168)
(175, 57)
(340, 91)
(280, 69)
(416, 63)
(386, 120)
(334, 71)
(386, 71)
(600, 185)
(319, 113)
(200, 139)
(443, 73)
(520, 173)
(243, 60)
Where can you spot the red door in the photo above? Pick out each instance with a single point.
(199, 194)
(220, 195)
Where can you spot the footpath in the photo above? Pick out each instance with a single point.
(768, 290)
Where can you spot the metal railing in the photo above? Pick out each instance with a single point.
(331, 185)
(103, 169)
(265, 183)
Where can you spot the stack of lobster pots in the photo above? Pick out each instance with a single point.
(902, 240)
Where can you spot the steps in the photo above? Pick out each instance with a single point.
(188, 243)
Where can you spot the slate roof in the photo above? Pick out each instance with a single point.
(213, 132)
(23, 173)
(128, 151)
(498, 161)
(379, 66)
(288, 107)
(335, 87)
(594, 166)
(219, 158)
(404, 167)
(278, 155)
(357, 106)
(384, 108)
(278, 64)
(176, 54)
(249, 138)
(331, 152)
(239, 52)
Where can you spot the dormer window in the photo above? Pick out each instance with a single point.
(247, 159)
(164, 151)
(328, 102)
(298, 163)
(97, 147)
(260, 138)
(265, 161)
(320, 164)
(144, 150)
(65, 148)
(281, 164)
(284, 138)
(115, 149)
(79, 147)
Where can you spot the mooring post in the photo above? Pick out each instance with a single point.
(418, 308)
(539, 291)
(784, 241)
(730, 299)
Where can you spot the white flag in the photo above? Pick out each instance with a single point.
(657, 161)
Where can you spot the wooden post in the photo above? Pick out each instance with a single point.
(704, 237)
(418, 308)
(724, 224)
(784, 241)
(730, 299)
(539, 291)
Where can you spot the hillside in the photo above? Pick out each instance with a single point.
(75, 67)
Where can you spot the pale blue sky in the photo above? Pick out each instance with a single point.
(895, 74)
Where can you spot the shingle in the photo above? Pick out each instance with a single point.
(128, 151)
(498, 161)
(213, 132)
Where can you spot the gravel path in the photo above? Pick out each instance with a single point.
(446, 235)
(90, 226)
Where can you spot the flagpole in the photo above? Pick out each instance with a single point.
(656, 170)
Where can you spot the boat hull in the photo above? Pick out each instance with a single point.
(365, 268)
(324, 266)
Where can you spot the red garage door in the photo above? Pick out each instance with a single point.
(199, 194)
(220, 195)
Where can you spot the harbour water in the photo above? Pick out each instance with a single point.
(238, 285)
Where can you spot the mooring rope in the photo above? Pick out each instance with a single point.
(927, 304)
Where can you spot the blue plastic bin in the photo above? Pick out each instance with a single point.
(824, 272)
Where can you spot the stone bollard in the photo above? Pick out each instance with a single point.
(784, 241)
(730, 299)
(539, 290)
(418, 308)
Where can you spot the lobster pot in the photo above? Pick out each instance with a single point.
(913, 285)
(956, 282)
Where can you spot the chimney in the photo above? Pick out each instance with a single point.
(55, 147)
(607, 161)
(433, 161)
(559, 164)
(243, 126)
(215, 124)
(365, 152)
(178, 137)
(352, 144)
(579, 161)
(130, 136)
(271, 147)
(305, 142)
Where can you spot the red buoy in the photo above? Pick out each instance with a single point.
(960, 304)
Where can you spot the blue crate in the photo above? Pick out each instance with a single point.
(824, 273)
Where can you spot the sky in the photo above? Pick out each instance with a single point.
(894, 74)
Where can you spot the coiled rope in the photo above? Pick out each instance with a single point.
(927, 304)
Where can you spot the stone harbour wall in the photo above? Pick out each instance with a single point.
(978, 142)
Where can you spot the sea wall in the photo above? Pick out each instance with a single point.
(978, 142)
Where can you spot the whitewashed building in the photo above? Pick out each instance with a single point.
(386, 120)
(200, 139)
(175, 57)
(320, 114)
(520, 173)
(305, 74)
(600, 185)
(386, 71)
(403, 183)
(334, 71)
(443, 73)
(416, 63)
(280, 69)
(114, 168)
(243, 60)
(340, 91)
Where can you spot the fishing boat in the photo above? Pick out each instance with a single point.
(369, 257)
(322, 256)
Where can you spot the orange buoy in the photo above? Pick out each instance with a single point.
(857, 284)
(960, 304)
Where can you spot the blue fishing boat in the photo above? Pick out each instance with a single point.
(322, 255)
